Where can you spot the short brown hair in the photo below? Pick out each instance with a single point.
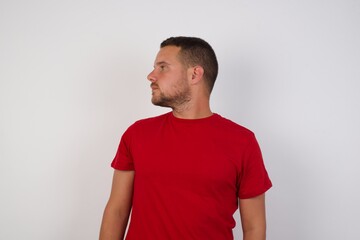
(196, 51)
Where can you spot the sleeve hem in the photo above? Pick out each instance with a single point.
(247, 196)
(122, 167)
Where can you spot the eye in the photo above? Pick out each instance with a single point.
(162, 67)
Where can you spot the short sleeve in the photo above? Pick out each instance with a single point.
(253, 179)
(123, 159)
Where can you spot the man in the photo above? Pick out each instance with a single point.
(183, 174)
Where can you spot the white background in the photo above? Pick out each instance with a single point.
(73, 78)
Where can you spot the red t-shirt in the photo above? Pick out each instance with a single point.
(189, 175)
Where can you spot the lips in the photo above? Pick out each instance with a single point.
(154, 86)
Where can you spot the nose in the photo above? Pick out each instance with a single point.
(151, 76)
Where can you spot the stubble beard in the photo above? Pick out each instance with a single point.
(175, 101)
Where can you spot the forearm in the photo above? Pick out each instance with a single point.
(113, 225)
(255, 234)
(117, 210)
(253, 219)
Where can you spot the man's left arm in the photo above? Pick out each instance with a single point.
(253, 218)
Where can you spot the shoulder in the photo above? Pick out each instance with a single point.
(148, 123)
(144, 127)
(233, 133)
(230, 126)
(152, 120)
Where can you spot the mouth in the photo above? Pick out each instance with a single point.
(154, 86)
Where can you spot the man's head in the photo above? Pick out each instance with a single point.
(185, 69)
(195, 51)
(169, 79)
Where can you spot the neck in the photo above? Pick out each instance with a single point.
(192, 110)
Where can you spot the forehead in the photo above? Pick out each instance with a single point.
(168, 54)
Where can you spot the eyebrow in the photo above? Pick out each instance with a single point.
(161, 63)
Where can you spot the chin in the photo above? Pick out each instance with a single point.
(154, 100)
(158, 102)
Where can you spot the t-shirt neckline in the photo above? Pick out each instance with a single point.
(196, 120)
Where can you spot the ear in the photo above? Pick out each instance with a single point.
(197, 74)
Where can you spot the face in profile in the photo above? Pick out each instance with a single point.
(169, 81)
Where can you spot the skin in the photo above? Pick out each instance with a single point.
(117, 210)
(169, 84)
(253, 219)
(184, 86)
(184, 90)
